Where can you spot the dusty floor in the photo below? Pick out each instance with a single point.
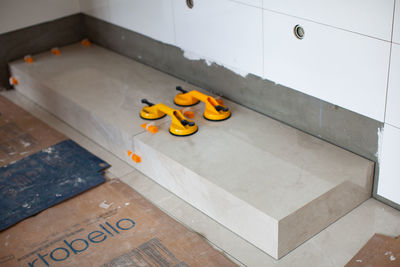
(334, 246)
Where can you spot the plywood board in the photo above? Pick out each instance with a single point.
(21, 134)
(379, 251)
(110, 225)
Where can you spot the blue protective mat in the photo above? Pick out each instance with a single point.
(46, 178)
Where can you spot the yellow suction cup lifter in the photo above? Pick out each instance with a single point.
(215, 109)
(180, 126)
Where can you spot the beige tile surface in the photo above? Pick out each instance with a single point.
(271, 184)
(95, 91)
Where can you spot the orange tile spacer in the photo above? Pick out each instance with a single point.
(189, 114)
(28, 59)
(136, 158)
(153, 129)
(85, 42)
(13, 81)
(55, 51)
(129, 153)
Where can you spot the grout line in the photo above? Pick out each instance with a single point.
(246, 4)
(390, 57)
(173, 21)
(133, 171)
(263, 43)
(310, 20)
(394, 126)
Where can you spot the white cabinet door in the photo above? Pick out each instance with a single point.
(369, 17)
(389, 174)
(396, 27)
(340, 67)
(152, 18)
(223, 31)
(393, 97)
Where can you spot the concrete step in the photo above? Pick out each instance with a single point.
(271, 184)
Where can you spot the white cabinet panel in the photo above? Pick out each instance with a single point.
(389, 174)
(396, 27)
(393, 98)
(224, 31)
(96, 8)
(343, 68)
(17, 14)
(151, 17)
(370, 17)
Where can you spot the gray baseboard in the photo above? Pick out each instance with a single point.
(339, 126)
(38, 38)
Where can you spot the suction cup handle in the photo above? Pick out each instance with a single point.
(145, 101)
(178, 88)
(219, 108)
(185, 122)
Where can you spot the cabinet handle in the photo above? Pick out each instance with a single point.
(298, 32)
(189, 3)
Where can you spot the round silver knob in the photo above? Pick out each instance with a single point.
(298, 32)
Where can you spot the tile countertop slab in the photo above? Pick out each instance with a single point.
(258, 159)
(251, 166)
(105, 83)
(96, 91)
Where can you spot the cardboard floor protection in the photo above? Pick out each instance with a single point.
(109, 225)
(379, 251)
(21, 134)
(46, 178)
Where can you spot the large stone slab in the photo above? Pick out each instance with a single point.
(95, 90)
(271, 184)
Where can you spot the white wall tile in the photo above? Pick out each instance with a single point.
(96, 8)
(396, 27)
(369, 17)
(389, 174)
(393, 97)
(17, 14)
(153, 18)
(343, 68)
(225, 31)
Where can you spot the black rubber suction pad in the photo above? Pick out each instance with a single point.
(187, 105)
(186, 134)
(152, 119)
